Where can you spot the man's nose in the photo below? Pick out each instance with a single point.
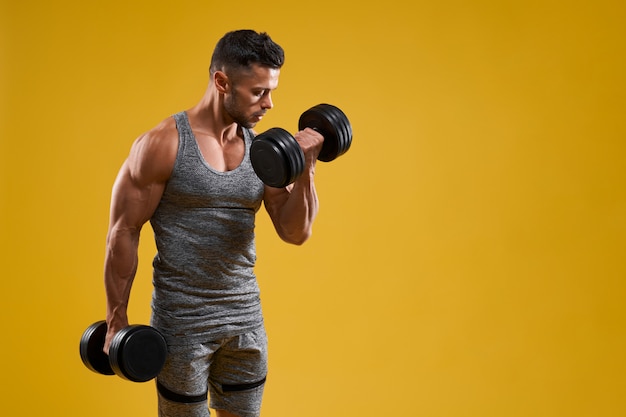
(267, 103)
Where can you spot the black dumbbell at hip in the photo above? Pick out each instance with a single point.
(276, 156)
(137, 353)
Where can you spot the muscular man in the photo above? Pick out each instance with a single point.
(191, 177)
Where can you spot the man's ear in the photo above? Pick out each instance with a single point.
(222, 83)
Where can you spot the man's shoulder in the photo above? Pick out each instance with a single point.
(161, 140)
(154, 152)
(165, 131)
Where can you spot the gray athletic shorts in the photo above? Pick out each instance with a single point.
(231, 372)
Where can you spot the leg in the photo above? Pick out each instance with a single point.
(237, 375)
(182, 384)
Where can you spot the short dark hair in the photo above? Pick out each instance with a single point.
(240, 49)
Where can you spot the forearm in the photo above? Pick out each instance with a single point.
(119, 272)
(294, 208)
(295, 221)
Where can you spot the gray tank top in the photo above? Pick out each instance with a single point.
(204, 283)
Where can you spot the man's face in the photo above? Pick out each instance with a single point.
(250, 96)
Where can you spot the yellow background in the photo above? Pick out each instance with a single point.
(469, 255)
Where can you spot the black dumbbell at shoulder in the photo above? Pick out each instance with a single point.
(137, 353)
(276, 156)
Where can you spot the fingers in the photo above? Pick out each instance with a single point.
(111, 332)
(311, 143)
(107, 342)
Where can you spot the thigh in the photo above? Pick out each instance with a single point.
(186, 369)
(183, 382)
(237, 374)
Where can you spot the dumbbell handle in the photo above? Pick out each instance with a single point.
(333, 125)
(137, 353)
(278, 159)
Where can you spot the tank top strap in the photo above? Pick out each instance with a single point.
(186, 134)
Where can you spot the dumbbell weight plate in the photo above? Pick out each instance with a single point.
(333, 124)
(343, 126)
(293, 153)
(269, 161)
(138, 353)
(343, 129)
(276, 157)
(91, 344)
